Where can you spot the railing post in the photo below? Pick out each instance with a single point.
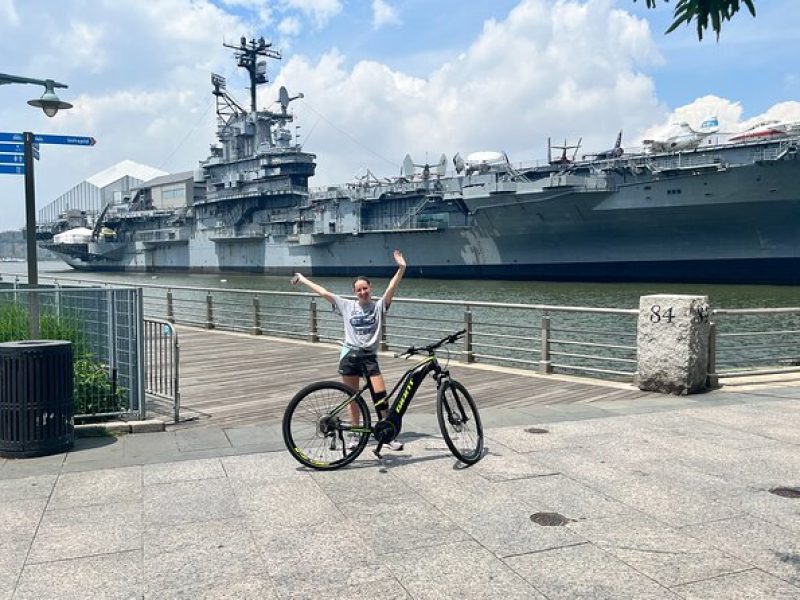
(712, 379)
(170, 307)
(313, 325)
(384, 339)
(468, 356)
(256, 316)
(545, 366)
(57, 298)
(209, 311)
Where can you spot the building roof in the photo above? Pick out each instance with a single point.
(167, 179)
(123, 169)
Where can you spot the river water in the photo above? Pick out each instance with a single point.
(611, 295)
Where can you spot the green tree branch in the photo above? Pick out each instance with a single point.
(703, 11)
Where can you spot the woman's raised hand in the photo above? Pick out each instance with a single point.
(399, 259)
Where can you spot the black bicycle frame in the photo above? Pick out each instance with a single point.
(387, 427)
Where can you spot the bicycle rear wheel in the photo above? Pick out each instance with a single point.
(317, 434)
(460, 422)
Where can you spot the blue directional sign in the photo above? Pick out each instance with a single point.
(71, 140)
(11, 137)
(12, 148)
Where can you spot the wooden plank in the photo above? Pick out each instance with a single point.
(231, 379)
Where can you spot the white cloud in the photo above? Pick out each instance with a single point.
(540, 72)
(319, 11)
(87, 44)
(289, 26)
(383, 14)
(8, 14)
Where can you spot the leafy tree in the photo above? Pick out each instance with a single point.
(701, 11)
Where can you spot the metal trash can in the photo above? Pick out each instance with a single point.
(36, 398)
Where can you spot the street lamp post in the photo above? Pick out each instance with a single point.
(50, 104)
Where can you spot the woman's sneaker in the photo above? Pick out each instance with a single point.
(395, 445)
(352, 442)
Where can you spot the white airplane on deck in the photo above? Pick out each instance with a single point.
(686, 139)
(766, 130)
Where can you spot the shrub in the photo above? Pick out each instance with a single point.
(94, 390)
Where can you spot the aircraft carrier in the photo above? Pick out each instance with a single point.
(724, 212)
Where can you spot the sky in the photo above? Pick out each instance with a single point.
(381, 78)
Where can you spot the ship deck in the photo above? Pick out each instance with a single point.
(234, 379)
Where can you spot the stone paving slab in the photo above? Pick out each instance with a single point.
(744, 585)
(86, 531)
(585, 571)
(190, 502)
(105, 576)
(199, 553)
(672, 503)
(770, 547)
(669, 556)
(459, 570)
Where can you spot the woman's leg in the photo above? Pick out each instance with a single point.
(352, 381)
(379, 392)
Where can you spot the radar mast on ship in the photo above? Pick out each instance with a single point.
(230, 113)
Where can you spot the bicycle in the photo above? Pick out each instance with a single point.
(318, 418)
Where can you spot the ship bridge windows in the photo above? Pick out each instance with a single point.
(674, 192)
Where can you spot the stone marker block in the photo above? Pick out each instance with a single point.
(672, 340)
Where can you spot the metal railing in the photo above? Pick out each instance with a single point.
(590, 341)
(750, 342)
(598, 342)
(162, 363)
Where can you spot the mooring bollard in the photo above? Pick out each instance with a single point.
(673, 343)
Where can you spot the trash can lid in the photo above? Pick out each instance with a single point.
(19, 344)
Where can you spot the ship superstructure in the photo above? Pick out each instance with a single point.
(727, 212)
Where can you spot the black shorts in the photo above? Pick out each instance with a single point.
(356, 360)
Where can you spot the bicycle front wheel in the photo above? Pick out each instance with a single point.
(322, 430)
(460, 422)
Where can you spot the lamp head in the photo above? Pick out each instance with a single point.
(49, 102)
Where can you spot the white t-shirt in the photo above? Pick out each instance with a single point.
(362, 324)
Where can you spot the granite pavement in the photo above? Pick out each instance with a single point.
(664, 499)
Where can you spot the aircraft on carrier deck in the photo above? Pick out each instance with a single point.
(686, 138)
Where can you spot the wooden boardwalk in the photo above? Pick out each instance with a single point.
(233, 379)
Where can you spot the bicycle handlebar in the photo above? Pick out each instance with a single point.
(448, 339)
